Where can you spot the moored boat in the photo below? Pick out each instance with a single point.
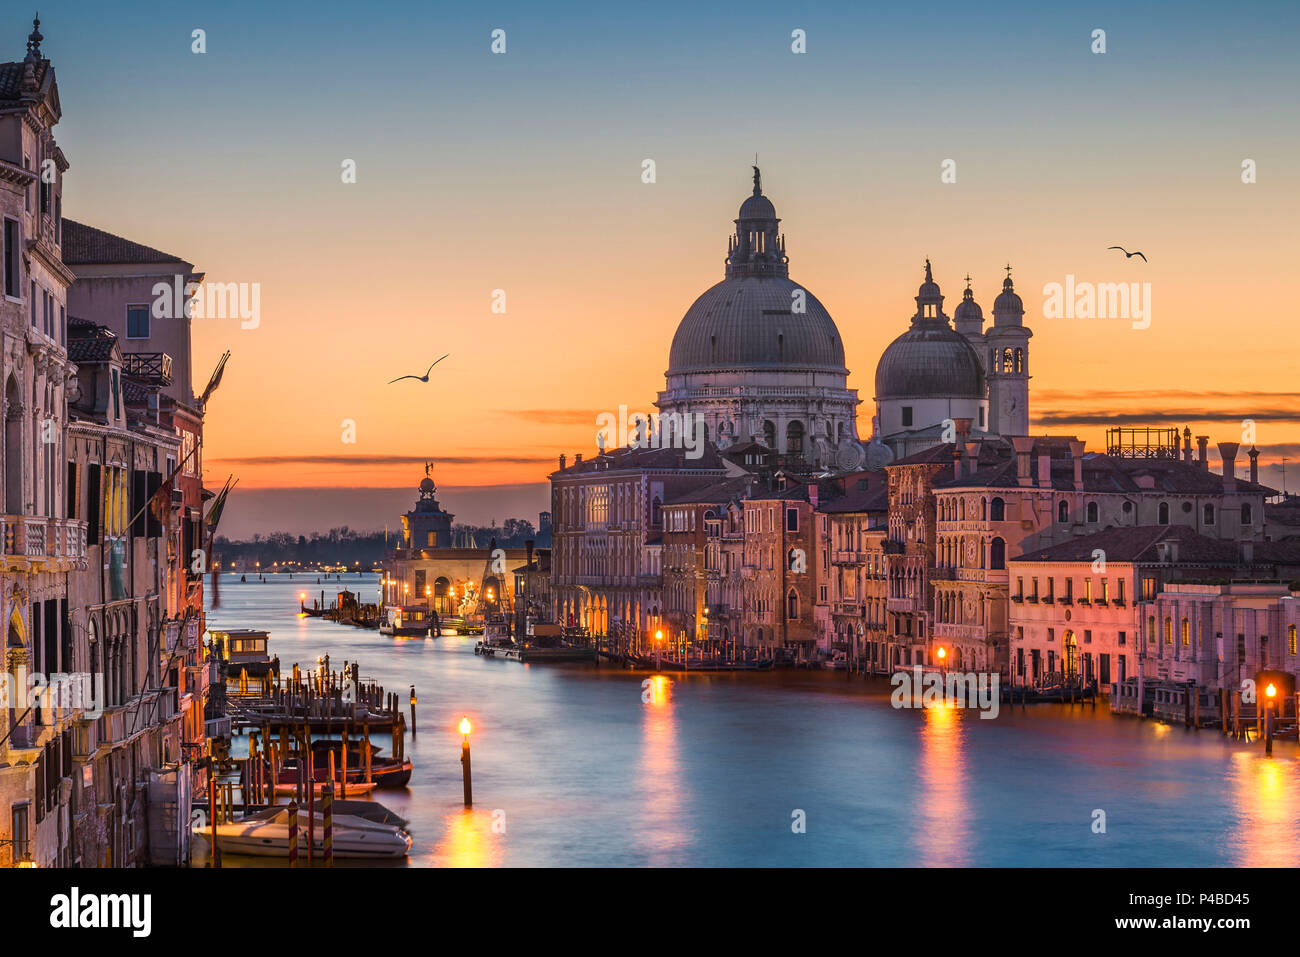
(266, 834)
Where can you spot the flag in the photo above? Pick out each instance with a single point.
(218, 505)
(216, 378)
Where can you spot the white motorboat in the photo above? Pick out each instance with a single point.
(837, 663)
(266, 834)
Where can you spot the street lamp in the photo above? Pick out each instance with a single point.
(942, 653)
(1271, 693)
(464, 761)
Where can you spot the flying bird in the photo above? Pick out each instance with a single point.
(1127, 254)
(422, 378)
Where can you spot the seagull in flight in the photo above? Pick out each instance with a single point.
(1127, 254)
(422, 378)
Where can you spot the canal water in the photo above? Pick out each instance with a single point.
(578, 765)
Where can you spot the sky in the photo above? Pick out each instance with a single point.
(522, 172)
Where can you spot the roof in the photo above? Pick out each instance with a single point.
(1138, 543)
(646, 459)
(858, 500)
(997, 468)
(86, 245)
(11, 77)
(717, 493)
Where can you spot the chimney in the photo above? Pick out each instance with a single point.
(528, 550)
(1187, 445)
(1045, 470)
(577, 458)
(1202, 441)
(962, 429)
(1023, 446)
(564, 459)
(972, 458)
(1076, 454)
(1228, 452)
(812, 495)
(1254, 464)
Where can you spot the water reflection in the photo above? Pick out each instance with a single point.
(471, 838)
(1267, 811)
(943, 828)
(664, 832)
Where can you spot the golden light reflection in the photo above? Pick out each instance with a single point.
(1267, 831)
(944, 829)
(663, 828)
(469, 841)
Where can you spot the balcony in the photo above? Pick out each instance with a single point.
(44, 544)
(849, 557)
(151, 368)
(848, 608)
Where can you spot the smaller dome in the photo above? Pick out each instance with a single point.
(757, 207)
(426, 484)
(1008, 305)
(968, 310)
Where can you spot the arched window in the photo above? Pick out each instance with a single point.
(792, 606)
(1007, 361)
(1063, 511)
(1020, 360)
(1093, 513)
(1186, 634)
(997, 510)
(1163, 513)
(794, 438)
(1169, 630)
(13, 449)
(1151, 629)
(998, 554)
(656, 511)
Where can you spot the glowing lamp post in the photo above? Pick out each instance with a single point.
(464, 761)
(943, 654)
(659, 637)
(302, 602)
(1271, 693)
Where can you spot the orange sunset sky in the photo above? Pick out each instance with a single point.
(522, 172)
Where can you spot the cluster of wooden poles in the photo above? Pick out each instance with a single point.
(332, 696)
(1267, 712)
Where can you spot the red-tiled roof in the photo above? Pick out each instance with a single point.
(86, 245)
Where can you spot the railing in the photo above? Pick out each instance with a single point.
(846, 556)
(41, 538)
(153, 367)
(848, 608)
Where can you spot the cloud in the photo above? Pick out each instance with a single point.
(1150, 417)
(552, 416)
(363, 461)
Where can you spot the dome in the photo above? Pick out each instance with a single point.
(968, 310)
(747, 322)
(1008, 305)
(757, 207)
(926, 361)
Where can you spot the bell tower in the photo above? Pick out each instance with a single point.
(1007, 363)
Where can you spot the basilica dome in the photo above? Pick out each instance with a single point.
(746, 322)
(757, 357)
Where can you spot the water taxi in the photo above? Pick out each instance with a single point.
(409, 621)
